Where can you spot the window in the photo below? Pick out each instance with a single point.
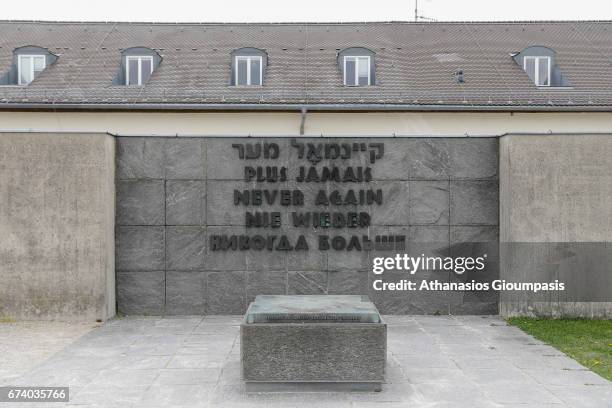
(540, 64)
(28, 62)
(137, 65)
(538, 69)
(357, 66)
(29, 66)
(248, 66)
(138, 69)
(248, 70)
(357, 71)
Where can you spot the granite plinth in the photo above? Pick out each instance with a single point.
(330, 340)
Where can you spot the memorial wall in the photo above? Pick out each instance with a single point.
(204, 225)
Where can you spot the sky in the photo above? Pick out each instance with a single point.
(310, 10)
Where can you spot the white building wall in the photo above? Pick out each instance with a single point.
(316, 124)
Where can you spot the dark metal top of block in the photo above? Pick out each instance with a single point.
(312, 308)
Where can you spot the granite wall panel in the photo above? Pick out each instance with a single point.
(185, 292)
(175, 195)
(141, 292)
(185, 202)
(140, 202)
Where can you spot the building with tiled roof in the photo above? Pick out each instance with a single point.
(159, 168)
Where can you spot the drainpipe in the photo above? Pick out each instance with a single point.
(303, 121)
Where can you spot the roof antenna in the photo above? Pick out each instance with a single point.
(416, 14)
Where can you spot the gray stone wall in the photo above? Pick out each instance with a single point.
(174, 193)
(57, 211)
(556, 222)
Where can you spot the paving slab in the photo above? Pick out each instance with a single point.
(432, 362)
(25, 344)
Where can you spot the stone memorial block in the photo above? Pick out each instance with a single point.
(334, 341)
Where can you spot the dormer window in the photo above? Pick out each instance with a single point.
(138, 69)
(28, 63)
(540, 65)
(357, 66)
(28, 67)
(248, 70)
(538, 69)
(248, 67)
(137, 66)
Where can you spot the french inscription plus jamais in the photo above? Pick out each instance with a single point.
(309, 174)
(328, 209)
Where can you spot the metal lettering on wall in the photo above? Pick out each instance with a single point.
(326, 222)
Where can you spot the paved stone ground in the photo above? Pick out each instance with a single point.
(432, 362)
(26, 344)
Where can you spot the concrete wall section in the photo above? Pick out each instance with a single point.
(556, 221)
(174, 193)
(56, 220)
